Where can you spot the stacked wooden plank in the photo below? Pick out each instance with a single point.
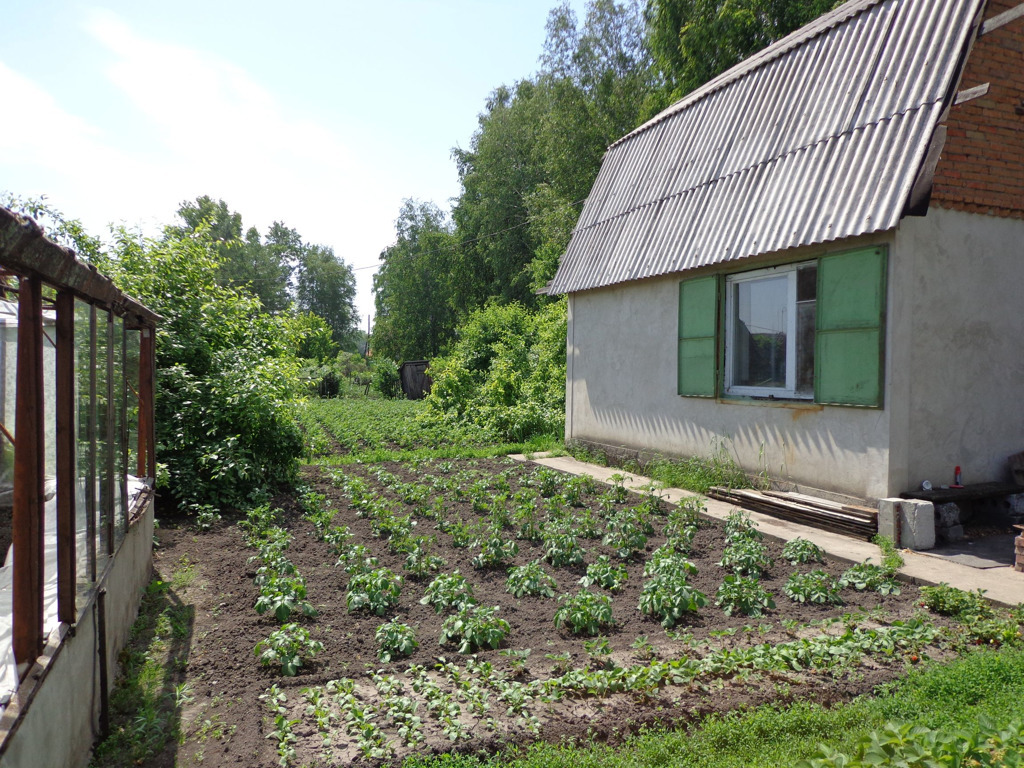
(848, 519)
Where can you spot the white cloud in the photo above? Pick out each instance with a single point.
(201, 125)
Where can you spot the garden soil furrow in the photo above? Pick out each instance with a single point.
(227, 679)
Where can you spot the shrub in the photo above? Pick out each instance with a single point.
(282, 596)
(225, 372)
(505, 372)
(386, 379)
(530, 579)
(475, 627)
(395, 639)
(584, 613)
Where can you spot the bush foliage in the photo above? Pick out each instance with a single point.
(225, 371)
(505, 372)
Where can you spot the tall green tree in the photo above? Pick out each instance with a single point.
(413, 289)
(696, 40)
(326, 286)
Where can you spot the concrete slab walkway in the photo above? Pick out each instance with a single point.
(1002, 585)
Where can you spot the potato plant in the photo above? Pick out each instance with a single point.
(475, 627)
(801, 551)
(448, 591)
(584, 613)
(530, 579)
(605, 574)
(376, 591)
(287, 647)
(395, 640)
(815, 586)
(743, 594)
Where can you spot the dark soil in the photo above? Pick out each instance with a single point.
(227, 723)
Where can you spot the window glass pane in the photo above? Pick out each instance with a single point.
(103, 329)
(119, 445)
(49, 460)
(760, 318)
(806, 290)
(85, 461)
(8, 379)
(131, 370)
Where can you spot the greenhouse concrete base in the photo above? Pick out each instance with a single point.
(54, 717)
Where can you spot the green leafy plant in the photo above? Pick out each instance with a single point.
(950, 601)
(738, 525)
(287, 647)
(447, 591)
(606, 574)
(475, 627)
(584, 613)
(741, 594)
(627, 534)
(815, 586)
(669, 597)
(868, 576)
(394, 640)
(376, 591)
(282, 596)
(562, 548)
(495, 552)
(801, 551)
(746, 557)
(530, 579)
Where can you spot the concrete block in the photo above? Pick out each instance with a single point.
(908, 522)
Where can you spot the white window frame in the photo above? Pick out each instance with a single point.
(782, 393)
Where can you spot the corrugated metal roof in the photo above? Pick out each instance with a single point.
(816, 138)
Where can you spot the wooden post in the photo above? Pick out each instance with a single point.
(66, 560)
(109, 466)
(29, 466)
(91, 502)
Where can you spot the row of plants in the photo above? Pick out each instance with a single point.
(281, 592)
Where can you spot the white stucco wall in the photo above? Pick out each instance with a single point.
(621, 391)
(965, 304)
(954, 372)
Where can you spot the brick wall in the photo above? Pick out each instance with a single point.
(982, 166)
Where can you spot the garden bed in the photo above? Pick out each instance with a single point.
(347, 705)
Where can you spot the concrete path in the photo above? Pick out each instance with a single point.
(1002, 585)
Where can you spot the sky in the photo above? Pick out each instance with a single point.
(322, 115)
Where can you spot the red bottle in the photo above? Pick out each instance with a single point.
(958, 479)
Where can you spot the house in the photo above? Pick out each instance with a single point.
(77, 463)
(816, 260)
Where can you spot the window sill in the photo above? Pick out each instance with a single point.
(773, 402)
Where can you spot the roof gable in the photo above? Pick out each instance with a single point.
(818, 137)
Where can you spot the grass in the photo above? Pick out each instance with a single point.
(146, 703)
(369, 430)
(946, 696)
(697, 473)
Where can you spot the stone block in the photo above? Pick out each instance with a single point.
(947, 515)
(908, 522)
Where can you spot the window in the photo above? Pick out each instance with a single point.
(807, 331)
(770, 332)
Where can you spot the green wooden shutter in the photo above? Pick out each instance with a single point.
(698, 320)
(850, 340)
